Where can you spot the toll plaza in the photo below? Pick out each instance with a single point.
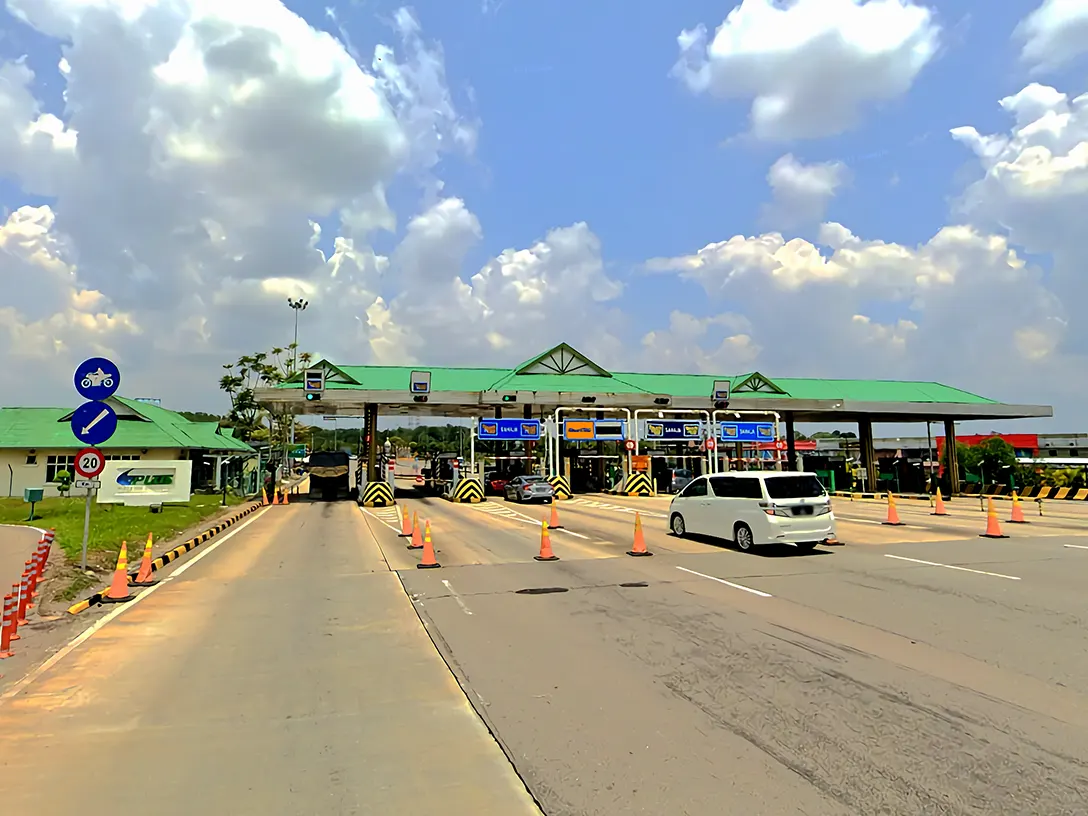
(589, 429)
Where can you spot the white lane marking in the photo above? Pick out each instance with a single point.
(376, 517)
(952, 567)
(617, 508)
(1075, 546)
(514, 515)
(760, 593)
(456, 597)
(87, 633)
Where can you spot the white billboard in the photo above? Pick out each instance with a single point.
(146, 483)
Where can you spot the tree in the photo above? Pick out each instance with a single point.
(252, 371)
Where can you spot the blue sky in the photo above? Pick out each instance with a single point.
(871, 245)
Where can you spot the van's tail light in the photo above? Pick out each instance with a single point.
(773, 510)
(821, 509)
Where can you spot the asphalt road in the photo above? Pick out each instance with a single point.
(914, 670)
(17, 544)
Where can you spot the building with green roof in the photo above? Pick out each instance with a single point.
(564, 377)
(38, 443)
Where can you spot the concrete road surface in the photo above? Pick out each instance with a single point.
(915, 670)
(285, 673)
(17, 544)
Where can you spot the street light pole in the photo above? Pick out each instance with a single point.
(297, 305)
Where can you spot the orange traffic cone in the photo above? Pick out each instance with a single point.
(939, 509)
(893, 514)
(275, 496)
(118, 591)
(143, 577)
(429, 561)
(1017, 511)
(286, 493)
(405, 525)
(554, 523)
(993, 528)
(264, 497)
(639, 547)
(417, 535)
(546, 553)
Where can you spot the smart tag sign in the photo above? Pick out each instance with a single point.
(747, 432)
(509, 429)
(672, 430)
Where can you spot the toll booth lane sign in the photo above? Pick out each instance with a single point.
(509, 430)
(601, 430)
(747, 432)
(672, 430)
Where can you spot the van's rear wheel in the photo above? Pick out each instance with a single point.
(742, 537)
(679, 529)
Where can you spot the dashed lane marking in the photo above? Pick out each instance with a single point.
(495, 509)
(951, 567)
(616, 508)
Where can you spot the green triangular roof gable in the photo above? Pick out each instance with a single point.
(562, 359)
(756, 383)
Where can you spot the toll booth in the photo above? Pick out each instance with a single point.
(591, 453)
(673, 445)
(512, 444)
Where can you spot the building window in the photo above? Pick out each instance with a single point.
(122, 458)
(31, 459)
(55, 464)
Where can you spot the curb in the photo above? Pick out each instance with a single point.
(171, 555)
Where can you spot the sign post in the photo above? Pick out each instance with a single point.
(93, 422)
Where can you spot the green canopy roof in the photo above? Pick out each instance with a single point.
(139, 425)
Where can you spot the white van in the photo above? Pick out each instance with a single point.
(752, 508)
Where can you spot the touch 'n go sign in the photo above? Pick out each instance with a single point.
(89, 463)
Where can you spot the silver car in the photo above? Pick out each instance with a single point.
(529, 488)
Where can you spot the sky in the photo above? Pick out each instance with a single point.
(817, 188)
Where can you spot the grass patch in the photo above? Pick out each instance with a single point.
(111, 523)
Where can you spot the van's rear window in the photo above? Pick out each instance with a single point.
(794, 487)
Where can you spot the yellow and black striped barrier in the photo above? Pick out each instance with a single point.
(378, 494)
(560, 486)
(172, 555)
(468, 491)
(637, 484)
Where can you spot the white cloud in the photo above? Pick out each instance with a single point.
(1055, 34)
(62, 316)
(523, 299)
(802, 191)
(810, 67)
(809, 312)
(1035, 186)
(210, 135)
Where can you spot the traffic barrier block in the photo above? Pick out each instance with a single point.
(468, 491)
(377, 494)
(561, 487)
(637, 484)
(172, 555)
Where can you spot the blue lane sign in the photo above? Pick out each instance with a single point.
(93, 423)
(672, 430)
(509, 429)
(747, 432)
(97, 378)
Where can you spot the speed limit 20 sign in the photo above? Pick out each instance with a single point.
(89, 463)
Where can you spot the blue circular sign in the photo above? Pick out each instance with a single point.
(97, 378)
(94, 422)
